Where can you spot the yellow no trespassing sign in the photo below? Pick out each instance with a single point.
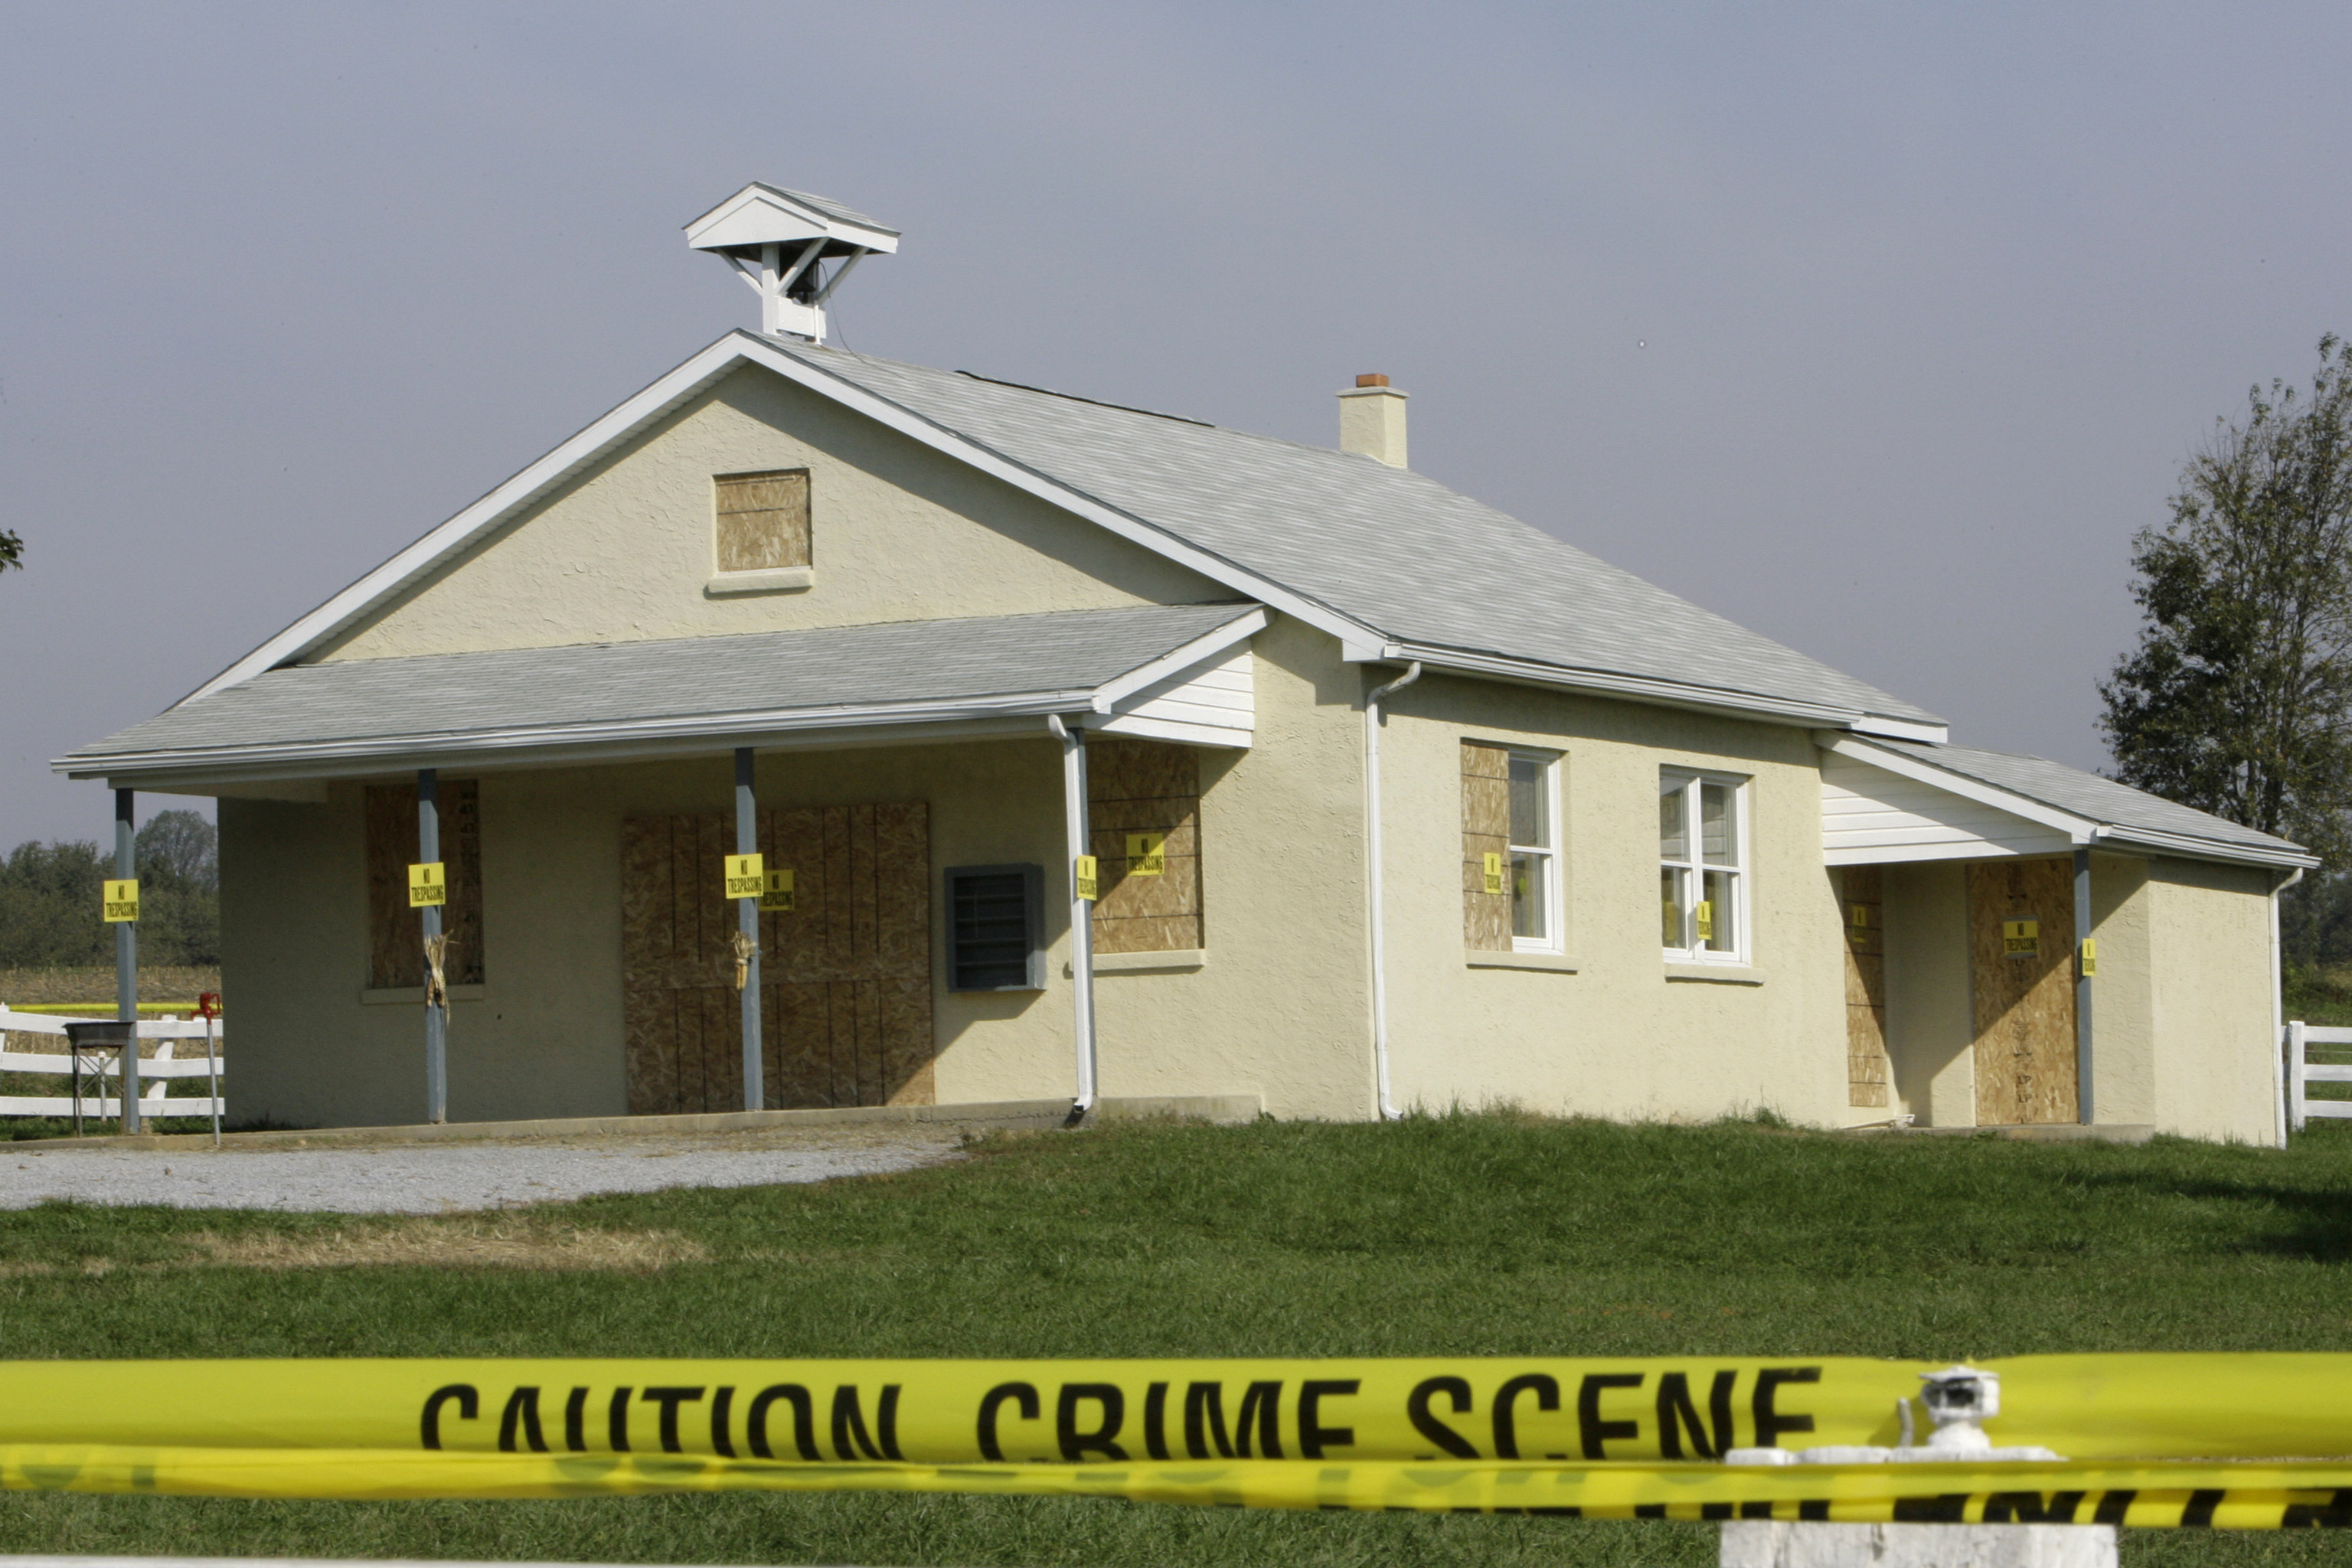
(776, 892)
(746, 876)
(428, 884)
(121, 901)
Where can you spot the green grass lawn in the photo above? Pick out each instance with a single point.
(1466, 1234)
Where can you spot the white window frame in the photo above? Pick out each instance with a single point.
(1741, 868)
(1555, 902)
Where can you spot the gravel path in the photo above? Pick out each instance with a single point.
(453, 1176)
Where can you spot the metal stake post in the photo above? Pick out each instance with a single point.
(747, 917)
(208, 1004)
(126, 961)
(437, 1012)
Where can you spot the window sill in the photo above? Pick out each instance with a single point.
(414, 996)
(781, 580)
(1182, 960)
(1559, 962)
(1716, 974)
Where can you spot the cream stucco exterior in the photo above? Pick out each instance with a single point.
(1277, 1005)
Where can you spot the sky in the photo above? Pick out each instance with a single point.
(1878, 327)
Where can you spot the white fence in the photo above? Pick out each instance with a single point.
(2301, 1071)
(157, 1070)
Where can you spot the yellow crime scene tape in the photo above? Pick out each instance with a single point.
(2244, 1440)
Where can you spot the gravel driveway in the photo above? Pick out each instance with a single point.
(454, 1175)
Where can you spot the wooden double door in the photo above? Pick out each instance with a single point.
(2021, 973)
(846, 974)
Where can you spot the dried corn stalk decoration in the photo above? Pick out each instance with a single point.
(437, 986)
(744, 949)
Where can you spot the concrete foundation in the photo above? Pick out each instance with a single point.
(1772, 1543)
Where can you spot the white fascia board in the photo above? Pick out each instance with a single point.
(1174, 729)
(664, 396)
(1903, 729)
(1133, 529)
(2079, 830)
(1911, 854)
(1644, 689)
(2187, 847)
(453, 536)
(1199, 650)
(319, 758)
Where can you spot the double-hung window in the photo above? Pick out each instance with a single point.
(1703, 866)
(1534, 853)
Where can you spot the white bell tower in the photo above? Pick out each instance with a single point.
(781, 242)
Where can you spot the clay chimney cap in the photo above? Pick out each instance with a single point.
(1371, 381)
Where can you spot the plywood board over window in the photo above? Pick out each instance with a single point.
(2022, 942)
(1866, 983)
(1485, 847)
(396, 933)
(845, 996)
(763, 521)
(1140, 793)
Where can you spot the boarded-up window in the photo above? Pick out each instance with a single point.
(845, 976)
(763, 521)
(1485, 847)
(1143, 806)
(395, 931)
(1865, 984)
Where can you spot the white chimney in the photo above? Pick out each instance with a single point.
(1371, 420)
(780, 241)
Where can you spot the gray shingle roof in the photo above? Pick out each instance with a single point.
(357, 704)
(2101, 800)
(1384, 547)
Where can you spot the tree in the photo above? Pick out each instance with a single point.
(12, 551)
(2238, 700)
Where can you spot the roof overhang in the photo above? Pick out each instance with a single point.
(1131, 703)
(2082, 832)
(1647, 689)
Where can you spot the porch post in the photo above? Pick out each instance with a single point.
(2083, 967)
(126, 961)
(1082, 925)
(437, 1002)
(746, 919)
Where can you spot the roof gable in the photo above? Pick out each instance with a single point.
(1392, 563)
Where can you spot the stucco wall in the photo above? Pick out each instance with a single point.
(1930, 1025)
(2208, 937)
(1617, 1037)
(899, 532)
(2123, 1000)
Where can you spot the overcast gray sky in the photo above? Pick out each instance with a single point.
(1877, 327)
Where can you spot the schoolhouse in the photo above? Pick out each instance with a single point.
(1093, 753)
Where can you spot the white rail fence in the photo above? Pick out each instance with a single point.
(2301, 1072)
(97, 1067)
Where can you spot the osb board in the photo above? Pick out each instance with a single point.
(845, 976)
(1144, 786)
(2024, 1005)
(1864, 909)
(1485, 830)
(395, 931)
(763, 521)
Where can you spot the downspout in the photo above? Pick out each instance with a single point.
(2278, 1010)
(1389, 1112)
(1082, 925)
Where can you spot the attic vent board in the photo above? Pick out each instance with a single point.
(762, 520)
(1074, 397)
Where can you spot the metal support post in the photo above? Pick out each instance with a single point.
(436, 1005)
(1082, 925)
(747, 917)
(126, 961)
(2083, 927)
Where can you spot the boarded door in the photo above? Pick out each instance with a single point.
(1866, 985)
(2022, 941)
(846, 998)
